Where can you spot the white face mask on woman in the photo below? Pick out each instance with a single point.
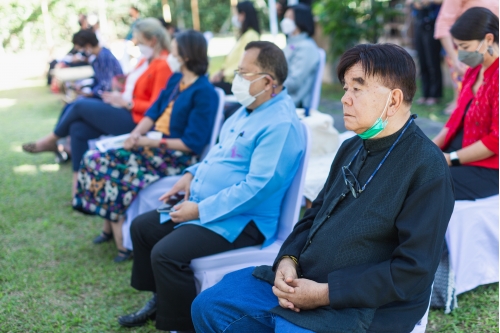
(174, 63)
(241, 90)
(146, 51)
(288, 26)
(236, 23)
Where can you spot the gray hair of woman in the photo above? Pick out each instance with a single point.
(151, 28)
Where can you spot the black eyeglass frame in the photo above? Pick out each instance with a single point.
(355, 191)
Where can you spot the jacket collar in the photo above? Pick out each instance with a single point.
(491, 70)
(488, 72)
(298, 38)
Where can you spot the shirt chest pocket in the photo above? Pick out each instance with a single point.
(239, 149)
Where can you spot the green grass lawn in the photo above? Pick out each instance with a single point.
(53, 279)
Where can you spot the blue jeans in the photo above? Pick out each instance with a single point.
(89, 118)
(239, 303)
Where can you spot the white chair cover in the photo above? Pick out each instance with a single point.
(325, 142)
(147, 199)
(472, 239)
(316, 95)
(211, 269)
(73, 73)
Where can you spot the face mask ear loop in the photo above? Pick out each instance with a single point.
(386, 105)
(480, 44)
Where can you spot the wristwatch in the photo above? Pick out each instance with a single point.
(455, 161)
(163, 143)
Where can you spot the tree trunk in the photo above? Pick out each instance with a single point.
(196, 15)
(103, 21)
(47, 25)
(180, 14)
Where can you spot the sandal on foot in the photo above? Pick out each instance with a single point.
(61, 157)
(103, 237)
(31, 147)
(123, 256)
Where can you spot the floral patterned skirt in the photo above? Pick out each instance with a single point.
(108, 182)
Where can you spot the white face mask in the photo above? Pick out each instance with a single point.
(235, 22)
(146, 51)
(174, 63)
(241, 90)
(288, 26)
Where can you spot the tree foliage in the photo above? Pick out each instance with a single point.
(22, 24)
(347, 22)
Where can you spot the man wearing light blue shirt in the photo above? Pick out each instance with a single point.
(233, 197)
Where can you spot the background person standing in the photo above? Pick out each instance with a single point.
(428, 49)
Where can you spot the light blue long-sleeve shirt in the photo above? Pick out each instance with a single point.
(302, 56)
(245, 176)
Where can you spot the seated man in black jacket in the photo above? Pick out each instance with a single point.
(364, 256)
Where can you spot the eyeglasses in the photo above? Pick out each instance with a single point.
(244, 75)
(353, 185)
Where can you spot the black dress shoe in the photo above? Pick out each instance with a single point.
(140, 317)
(103, 237)
(123, 256)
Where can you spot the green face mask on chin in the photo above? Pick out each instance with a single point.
(378, 126)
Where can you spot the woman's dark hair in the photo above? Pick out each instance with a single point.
(84, 37)
(388, 62)
(474, 24)
(303, 18)
(167, 25)
(251, 18)
(271, 60)
(284, 6)
(192, 46)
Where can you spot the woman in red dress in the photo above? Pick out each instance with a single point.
(469, 139)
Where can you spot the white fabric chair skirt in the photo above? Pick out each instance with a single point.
(472, 239)
(208, 272)
(325, 142)
(146, 201)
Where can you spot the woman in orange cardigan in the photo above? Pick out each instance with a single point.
(117, 113)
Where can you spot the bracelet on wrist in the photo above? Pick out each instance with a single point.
(294, 259)
(163, 144)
